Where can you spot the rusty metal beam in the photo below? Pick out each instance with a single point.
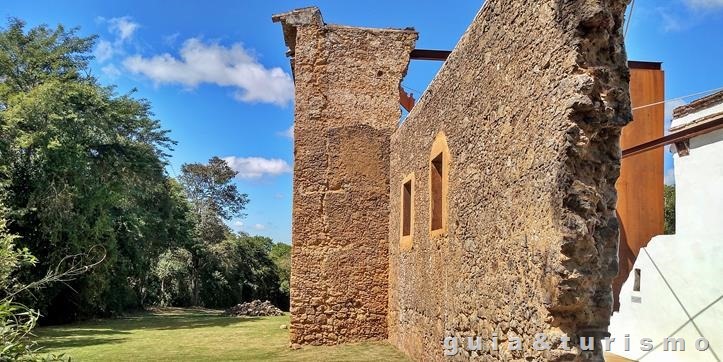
(679, 136)
(406, 100)
(442, 55)
(428, 54)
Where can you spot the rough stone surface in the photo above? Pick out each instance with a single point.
(254, 308)
(532, 101)
(347, 82)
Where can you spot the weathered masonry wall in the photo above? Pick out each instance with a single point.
(531, 103)
(347, 82)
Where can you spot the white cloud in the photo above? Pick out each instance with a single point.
(212, 63)
(705, 4)
(256, 167)
(237, 225)
(669, 177)
(111, 71)
(686, 14)
(259, 226)
(670, 22)
(104, 50)
(123, 27)
(171, 39)
(288, 133)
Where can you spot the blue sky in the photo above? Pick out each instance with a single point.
(217, 75)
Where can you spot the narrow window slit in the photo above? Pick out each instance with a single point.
(436, 169)
(407, 208)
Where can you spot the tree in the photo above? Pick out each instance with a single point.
(173, 271)
(281, 255)
(11, 257)
(669, 213)
(82, 167)
(213, 198)
(17, 320)
(261, 279)
(42, 54)
(210, 190)
(239, 269)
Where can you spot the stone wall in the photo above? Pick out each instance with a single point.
(347, 82)
(531, 102)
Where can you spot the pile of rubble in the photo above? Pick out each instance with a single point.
(254, 308)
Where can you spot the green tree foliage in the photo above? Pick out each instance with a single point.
(281, 255)
(82, 167)
(173, 271)
(17, 320)
(210, 191)
(213, 198)
(239, 269)
(29, 59)
(11, 257)
(669, 207)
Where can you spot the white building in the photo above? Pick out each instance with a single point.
(676, 286)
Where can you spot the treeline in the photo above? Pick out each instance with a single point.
(83, 167)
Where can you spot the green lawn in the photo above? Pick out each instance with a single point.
(195, 335)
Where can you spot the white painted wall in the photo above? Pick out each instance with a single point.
(699, 187)
(681, 275)
(680, 296)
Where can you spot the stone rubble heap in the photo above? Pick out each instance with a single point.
(254, 308)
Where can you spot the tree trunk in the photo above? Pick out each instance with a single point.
(195, 289)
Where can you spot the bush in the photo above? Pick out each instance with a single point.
(17, 320)
(669, 207)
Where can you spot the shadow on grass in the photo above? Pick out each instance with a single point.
(171, 322)
(52, 344)
(83, 334)
(69, 332)
(170, 319)
(146, 321)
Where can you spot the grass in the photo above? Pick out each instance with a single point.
(195, 335)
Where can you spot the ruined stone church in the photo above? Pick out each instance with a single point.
(490, 210)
